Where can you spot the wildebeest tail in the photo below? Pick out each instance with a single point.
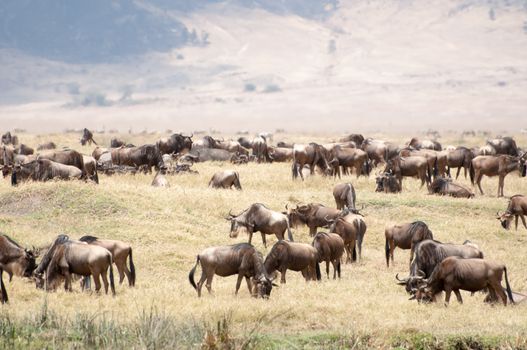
(436, 168)
(428, 172)
(237, 183)
(191, 274)
(13, 178)
(289, 233)
(112, 283)
(5, 299)
(472, 173)
(354, 253)
(387, 250)
(132, 268)
(294, 170)
(351, 197)
(508, 286)
(317, 270)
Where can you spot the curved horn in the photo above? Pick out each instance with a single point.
(401, 281)
(421, 273)
(191, 135)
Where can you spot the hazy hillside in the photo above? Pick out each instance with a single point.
(249, 64)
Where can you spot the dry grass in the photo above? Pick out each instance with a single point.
(168, 227)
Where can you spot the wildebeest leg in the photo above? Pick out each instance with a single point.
(327, 268)
(499, 291)
(209, 282)
(105, 281)
(239, 281)
(411, 255)
(448, 291)
(500, 186)
(249, 284)
(459, 171)
(201, 280)
(523, 221)
(97, 281)
(516, 222)
(250, 232)
(312, 230)
(127, 273)
(120, 268)
(392, 249)
(263, 240)
(67, 281)
(458, 296)
(478, 180)
(282, 270)
(348, 253)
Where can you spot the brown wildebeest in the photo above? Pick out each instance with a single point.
(46, 146)
(232, 146)
(87, 137)
(8, 155)
(504, 145)
(445, 187)
(436, 160)
(116, 143)
(517, 208)
(387, 183)
(459, 158)
(429, 253)
(146, 155)
(352, 158)
(293, 256)
(358, 139)
(330, 247)
(120, 252)
(99, 151)
(414, 166)
(25, 150)
(259, 218)
(245, 142)
(352, 228)
(312, 155)
(312, 215)
(241, 259)
(280, 154)
(455, 274)
(66, 157)
(259, 147)
(426, 144)
(90, 167)
(405, 236)
(14, 260)
(344, 195)
(8, 139)
(225, 179)
(160, 180)
(44, 170)
(176, 143)
(495, 165)
(66, 257)
(379, 151)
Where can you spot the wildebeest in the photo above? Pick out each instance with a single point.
(504, 145)
(116, 143)
(159, 179)
(517, 207)
(146, 155)
(495, 165)
(283, 144)
(8, 139)
(313, 215)
(459, 158)
(387, 183)
(176, 143)
(24, 149)
(414, 166)
(405, 236)
(426, 144)
(245, 142)
(259, 147)
(209, 154)
(293, 256)
(66, 157)
(87, 137)
(241, 259)
(330, 247)
(120, 252)
(280, 154)
(90, 167)
(46, 146)
(344, 195)
(99, 151)
(44, 170)
(455, 274)
(379, 151)
(313, 155)
(259, 218)
(232, 146)
(437, 161)
(225, 179)
(352, 158)
(14, 260)
(66, 257)
(352, 228)
(445, 187)
(429, 253)
(358, 139)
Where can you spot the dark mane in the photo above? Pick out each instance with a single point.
(9, 239)
(88, 239)
(46, 259)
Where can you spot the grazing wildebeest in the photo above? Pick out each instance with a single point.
(429, 253)
(495, 165)
(517, 208)
(46, 146)
(344, 195)
(313, 215)
(66, 157)
(426, 144)
(312, 155)
(379, 151)
(66, 257)
(455, 274)
(445, 187)
(330, 247)
(259, 218)
(280, 154)
(504, 145)
(459, 158)
(146, 155)
(160, 180)
(241, 259)
(120, 252)
(87, 137)
(24, 149)
(176, 143)
(405, 236)
(352, 228)
(293, 256)
(352, 158)
(14, 260)
(387, 183)
(414, 166)
(24, 172)
(225, 179)
(259, 147)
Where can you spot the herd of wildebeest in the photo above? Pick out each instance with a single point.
(434, 266)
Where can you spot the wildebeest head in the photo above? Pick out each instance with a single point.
(505, 219)
(298, 216)
(237, 222)
(261, 287)
(411, 283)
(423, 293)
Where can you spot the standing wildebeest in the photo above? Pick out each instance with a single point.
(454, 274)
(414, 166)
(312, 155)
(459, 158)
(241, 259)
(429, 253)
(66, 157)
(46, 146)
(351, 227)
(293, 256)
(8, 139)
(504, 145)
(225, 179)
(24, 149)
(379, 151)
(352, 158)
(14, 260)
(259, 218)
(426, 144)
(160, 180)
(245, 142)
(358, 139)
(90, 167)
(87, 137)
(99, 151)
(405, 236)
(146, 155)
(280, 154)
(177, 143)
(344, 195)
(259, 147)
(120, 252)
(313, 215)
(517, 208)
(330, 247)
(387, 183)
(436, 160)
(495, 165)
(445, 187)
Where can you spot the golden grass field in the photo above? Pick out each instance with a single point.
(168, 227)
